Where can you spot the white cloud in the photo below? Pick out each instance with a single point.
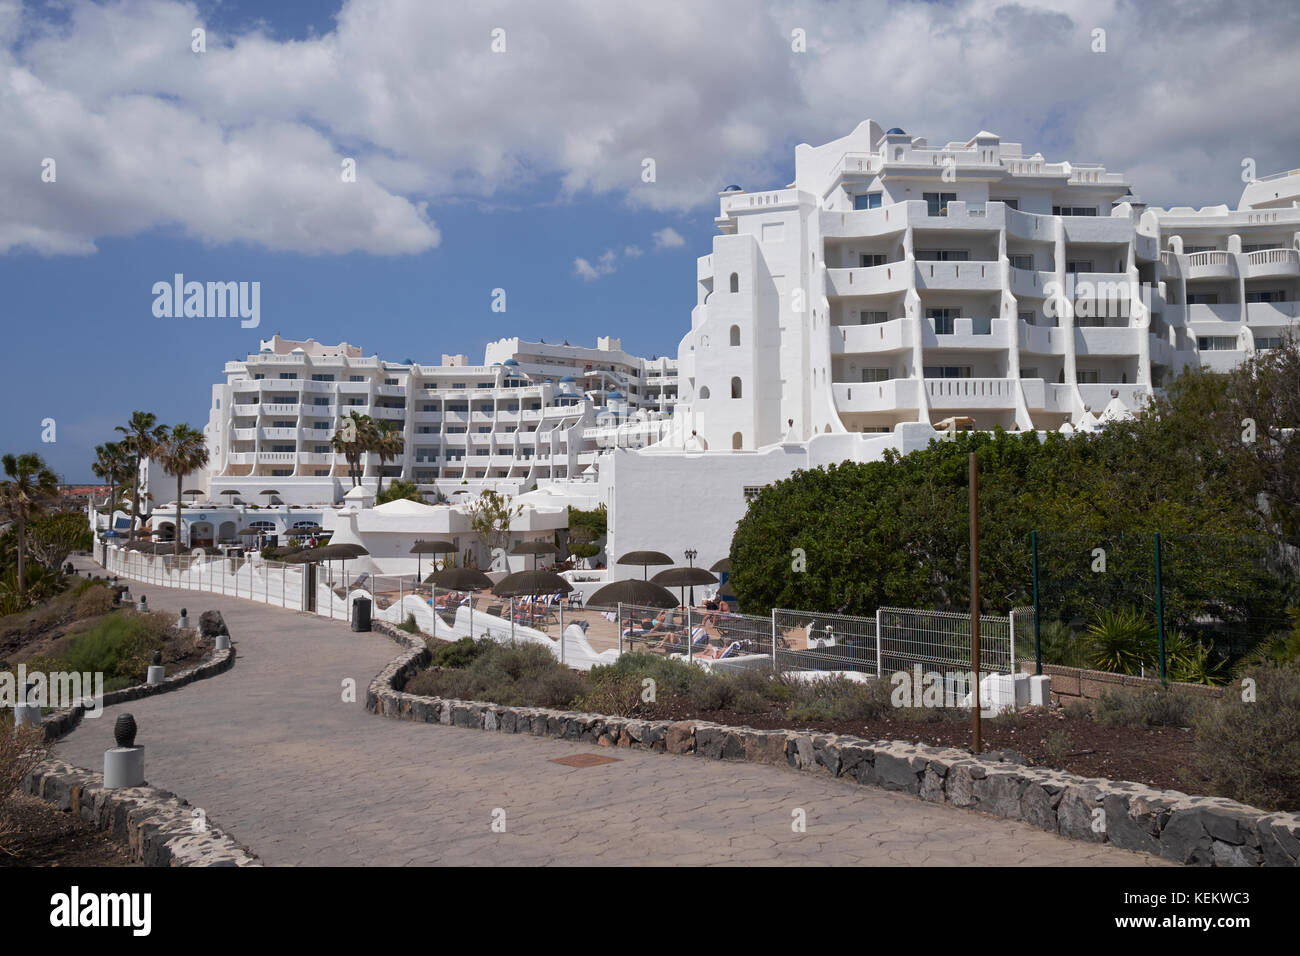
(244, 142)
(605, 265)
(632, 252)
(668, 238)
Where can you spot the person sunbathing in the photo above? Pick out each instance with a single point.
(718, 653)
(656, 625)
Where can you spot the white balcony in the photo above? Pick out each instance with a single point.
(281, 409)
(1030, 282)
(872, 280)
(1041, 396)
(898, 393)
(896, 335)
(967, 333)
(970, 393)
(1042, 339)
(1107, 341)
(985, 275)
(275, 457)
(1270, 263)
(864, 223)
(1209, 265)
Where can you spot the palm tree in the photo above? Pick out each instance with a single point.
(110, 465)
(30, 485)
(386, 442)
(143, 434)
(352, 438)
(181, 453)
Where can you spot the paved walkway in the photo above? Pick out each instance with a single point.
(271, 753)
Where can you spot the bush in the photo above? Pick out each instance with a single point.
(1161, 707)
(1250, 749)
(120, 645)
(20, 752)
(618, 693)
(94, 602)
(671, 677)
(1060, 646)
(409, 625)
(502, 673)
(459, 653)
(1120, 641)
(837, 698)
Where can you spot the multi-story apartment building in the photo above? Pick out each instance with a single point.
(896, 282)
(895, 286)
(530, 413)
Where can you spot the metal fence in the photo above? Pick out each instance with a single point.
(812, 641)
(941, 640)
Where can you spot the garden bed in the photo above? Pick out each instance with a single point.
(48, 836)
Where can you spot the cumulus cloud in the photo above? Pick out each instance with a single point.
(245, 142)
(588, 272)
(668, 238)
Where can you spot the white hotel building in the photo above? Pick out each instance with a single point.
(532, 412)
(895, 285)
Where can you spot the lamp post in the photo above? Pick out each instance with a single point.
(691, 554)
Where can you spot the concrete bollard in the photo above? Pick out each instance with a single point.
(156, 670)
(222, 642)
(183, 622)
(143, 605)
(124, 764)
(25, 712)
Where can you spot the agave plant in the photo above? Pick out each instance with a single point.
(1191, 662)
(1120, 641)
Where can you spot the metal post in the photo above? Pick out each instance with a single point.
(512, 618)
(975, 601)
(1160, 610)
(1038, 639)
(773, 640)
(879, 645)
(620, 628)
(561, 607)
(690, 643)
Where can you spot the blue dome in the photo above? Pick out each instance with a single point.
(567, 378)
(613, 395)
(733, 189)
(509, 362)
(894, 131)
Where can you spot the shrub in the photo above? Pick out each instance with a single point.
(409, 625)
(671, 677)
(20, 752)
(1120, 641)
(459, 653)
(1060, 646)
(1250, 749)
(94, 602)
(1160, 707)
(618, 693)
(119, 645)
(502, 673)
(837, 698)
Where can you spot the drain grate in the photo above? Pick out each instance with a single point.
(585, 760)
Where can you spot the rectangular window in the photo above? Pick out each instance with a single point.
(875, 375)
(866, 261)
(947, 371)
(1087, 376)
(1029, 372)
(942, 319)
(1264, 296)
(942, 255)
(1022, 262)
(1074, 210)
(1263, 343)
(938, 202)
(1026, 317)
(1216, 343)
(872, 318)
(289, 375)
(322, 378)
(868, 200)
(356, 378)
(1202, 298)
(1190, 250)
(1010, 203)
(1078, 265)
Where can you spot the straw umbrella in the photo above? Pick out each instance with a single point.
(632, 591)
(421, 548)
(460, 579)
(532, 583)
(722, 565)
(535, 548)
(645, 559)
(683, 578)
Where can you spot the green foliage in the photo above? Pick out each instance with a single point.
(588, 527)
(460, 653)
(409, 625)
(836, 698)
(490, 516)
(1190, 661)
(1250, 748)
(1120, 641)
(119, 645)
(506, 674)
(52, 537)
(1060, 645)
(1158, 707)
(399, 489)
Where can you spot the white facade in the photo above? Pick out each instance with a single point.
(531, 413)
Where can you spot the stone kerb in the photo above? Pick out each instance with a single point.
(156, 825)
(1204, 831)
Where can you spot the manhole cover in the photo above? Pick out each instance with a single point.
(585, 760)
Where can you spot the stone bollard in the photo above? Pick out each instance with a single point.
(183, 622)
(156, 671)
(124, 764)
(222, 642)
(26, 711)
(144, 604)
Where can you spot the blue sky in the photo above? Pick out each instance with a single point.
(479, 171)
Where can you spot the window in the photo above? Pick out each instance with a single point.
(735, 335)
(868, 200)
(1074, 210)
(735, 282)
(1022, 262)
(1087, 376)
(735, 387)
(291, 376)
(1216, 343)
(322, 378)
(1266, 296)
(866, 261)
(736, 440)
(704, 392)
(872, 318)
(1263, 343)
(942, 319)
(1078, 265)
(320, 401)
(1026, 317)
(947, 371)
(1010, 203)
(356, 378)
(938, 202)
(1029, 372)
(875, 375)
(1202, 298)
(1189, 250)
(942, 255)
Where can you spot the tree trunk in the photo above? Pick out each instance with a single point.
(176, 535)
(135, 499)
(22, 555)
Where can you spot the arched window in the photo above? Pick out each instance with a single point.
(736, 440)
(735, 335)
(704, 392)
(735, 387)
(735, 282)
